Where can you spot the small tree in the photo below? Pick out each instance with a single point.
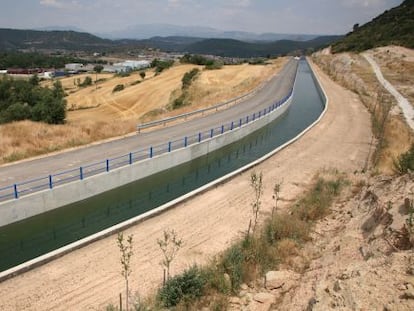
(97, 69)
(276, 196)
(169, 244)
(125, 247)
(142, 74)
(256, 182)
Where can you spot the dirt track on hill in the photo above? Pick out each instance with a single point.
(89, 278)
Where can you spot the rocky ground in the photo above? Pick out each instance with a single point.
(360, 258)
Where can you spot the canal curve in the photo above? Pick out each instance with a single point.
(38, 235)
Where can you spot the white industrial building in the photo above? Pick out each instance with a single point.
(74, 67)
(134, 64)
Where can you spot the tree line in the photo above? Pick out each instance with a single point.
(27, 100)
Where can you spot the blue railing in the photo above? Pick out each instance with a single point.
(49, 182)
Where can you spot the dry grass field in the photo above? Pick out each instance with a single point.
(98, 113)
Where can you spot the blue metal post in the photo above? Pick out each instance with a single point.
(169, 146)
(185, 141)
(231, 127)
(222, 129)
(81, 173)
(130, 158)
(16, 193)
(151, 152)
(240, 122)
(50, 182)
(211, 133)
(199, 137)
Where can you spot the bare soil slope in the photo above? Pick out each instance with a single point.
(397, 66)
(89, 279)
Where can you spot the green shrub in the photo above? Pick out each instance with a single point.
(179, 102)
(315, 204)
(136, 82)
(86, 82)
(214, 65)
(185, 287)
(16, 112)
(118, 88)
(161, 65)
(232, 262)
(285, 226)
(188, 78)
(123, 74)
(405, 161)
(215, 279)
(21, 100)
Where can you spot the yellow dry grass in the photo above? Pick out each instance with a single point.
(116, 114)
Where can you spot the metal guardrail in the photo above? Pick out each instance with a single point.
(53, 180)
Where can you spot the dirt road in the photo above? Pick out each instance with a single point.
(89, 278)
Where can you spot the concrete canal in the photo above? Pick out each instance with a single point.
(40, 234)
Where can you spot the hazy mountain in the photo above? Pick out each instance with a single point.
(14, 39)
(237, 48)
(61, 28)
(146, 31)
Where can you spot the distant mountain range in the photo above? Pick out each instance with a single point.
(146, 31)
(33, 40)
(394, 26)
(16, 39)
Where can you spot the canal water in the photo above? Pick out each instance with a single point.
(43, 233)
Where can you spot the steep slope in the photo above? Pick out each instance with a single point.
(394, 26)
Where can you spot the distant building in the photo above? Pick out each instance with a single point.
(115, 69)
(74, 67)
(134, 64)
(47, 75)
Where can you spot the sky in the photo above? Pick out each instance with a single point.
(258, 16)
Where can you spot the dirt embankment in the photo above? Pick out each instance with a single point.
(89, 278)
(362, 254)
(392, 136)
(397, 66)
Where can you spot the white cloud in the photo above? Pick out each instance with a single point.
(175, 3)
(364, 3)
(52, 3)
(242, 3)
(60, 4)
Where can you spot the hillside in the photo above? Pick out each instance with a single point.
(15, 39)
(235, 48)
(393, 27)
